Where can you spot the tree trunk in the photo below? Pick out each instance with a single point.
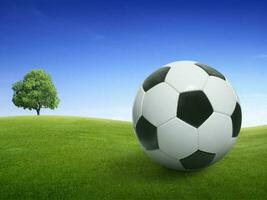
(38, 111)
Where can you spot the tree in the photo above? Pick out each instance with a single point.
(35, 91)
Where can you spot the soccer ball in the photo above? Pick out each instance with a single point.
(186, 115)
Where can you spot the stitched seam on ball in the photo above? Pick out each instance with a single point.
(206, 81)
(172, 87)
(158, 126)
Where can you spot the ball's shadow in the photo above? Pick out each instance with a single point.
(136, 165)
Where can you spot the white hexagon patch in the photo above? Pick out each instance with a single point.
(160, 104)
(177, 138)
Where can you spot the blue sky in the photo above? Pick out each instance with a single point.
(99, 52)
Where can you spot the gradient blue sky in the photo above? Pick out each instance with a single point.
(99, 52)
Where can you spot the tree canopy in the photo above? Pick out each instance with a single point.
(35, 91)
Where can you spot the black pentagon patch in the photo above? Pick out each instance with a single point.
(210, 70)
(194, 108)
(198, 159)
(155, 78)
(147, 134)
(236, 120)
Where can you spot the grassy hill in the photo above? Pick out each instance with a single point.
(82, 158)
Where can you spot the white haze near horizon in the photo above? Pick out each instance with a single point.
(254, 110)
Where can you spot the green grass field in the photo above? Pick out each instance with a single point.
(82, 158)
